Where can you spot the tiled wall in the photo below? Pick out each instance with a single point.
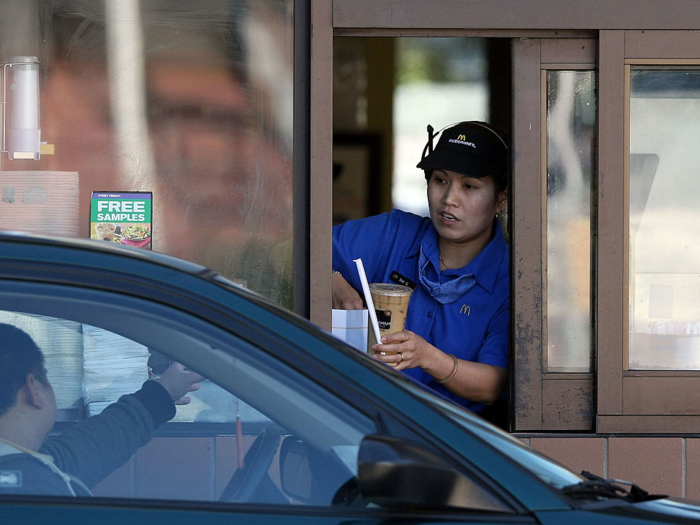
(659, 465)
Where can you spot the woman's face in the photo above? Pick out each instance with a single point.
(463, 208)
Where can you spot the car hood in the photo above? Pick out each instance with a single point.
(663, 510)
(682, 508)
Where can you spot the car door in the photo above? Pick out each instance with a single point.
(263, 438)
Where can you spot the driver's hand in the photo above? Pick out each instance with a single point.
(178, 381)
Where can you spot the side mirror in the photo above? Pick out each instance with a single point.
(399, 474)
(308, 476)
(295, 470)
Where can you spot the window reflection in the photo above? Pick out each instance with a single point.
(664, 249)
(571, 124)
(189, 100)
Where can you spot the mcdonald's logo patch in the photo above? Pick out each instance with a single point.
(462, 139)
(466, 310)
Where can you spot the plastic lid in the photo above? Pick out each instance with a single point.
(391, 289)
(25, 59)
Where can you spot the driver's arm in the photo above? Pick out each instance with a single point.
(94, 448)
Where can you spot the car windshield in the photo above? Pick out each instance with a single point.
(547, 470)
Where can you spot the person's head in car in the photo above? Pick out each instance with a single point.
(27, 400)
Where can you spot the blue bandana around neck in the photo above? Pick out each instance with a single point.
(447, 292)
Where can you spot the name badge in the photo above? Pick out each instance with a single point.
(400, 279)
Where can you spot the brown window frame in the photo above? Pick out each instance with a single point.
(629, 401)
(542, 401)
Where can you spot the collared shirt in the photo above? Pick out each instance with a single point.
(474, 327)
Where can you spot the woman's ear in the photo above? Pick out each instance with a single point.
(502, 201)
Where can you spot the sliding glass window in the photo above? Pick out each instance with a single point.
(664, 238)
(570, 131)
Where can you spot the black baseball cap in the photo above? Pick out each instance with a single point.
(471, 148)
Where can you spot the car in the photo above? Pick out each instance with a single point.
(290, 426)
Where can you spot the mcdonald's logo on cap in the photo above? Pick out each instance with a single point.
(462, 139)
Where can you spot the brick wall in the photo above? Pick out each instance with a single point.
(659, 465)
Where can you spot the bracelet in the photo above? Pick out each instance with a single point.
(452, 374)
(334, 273)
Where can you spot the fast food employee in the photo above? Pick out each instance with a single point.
(457, 261)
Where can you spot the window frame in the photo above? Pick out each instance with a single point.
(132, 317)
(623, 399)
(541, 401)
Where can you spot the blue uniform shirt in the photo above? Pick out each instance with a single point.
(474, 327)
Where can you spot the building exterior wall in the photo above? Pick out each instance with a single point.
(660, 465)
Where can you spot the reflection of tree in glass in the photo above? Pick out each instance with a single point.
(441, 60)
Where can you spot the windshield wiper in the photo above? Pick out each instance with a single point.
(597, 487)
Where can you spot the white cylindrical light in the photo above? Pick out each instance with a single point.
(23, 132)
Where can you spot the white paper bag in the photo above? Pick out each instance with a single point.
(351, 327)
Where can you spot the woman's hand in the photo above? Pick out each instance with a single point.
(345, 297)
(405, 349)
(476, 382)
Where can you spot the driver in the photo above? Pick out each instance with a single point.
(79, 458)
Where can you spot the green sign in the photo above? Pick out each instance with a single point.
(122, 218)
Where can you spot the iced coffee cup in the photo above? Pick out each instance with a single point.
(391, 305)
(104, 231)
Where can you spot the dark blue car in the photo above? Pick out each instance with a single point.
(290, 426)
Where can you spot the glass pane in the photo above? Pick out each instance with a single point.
(289, 426)
(189, 100)
(415, 81)
(451, 73)
(571, 125)
(664, 239)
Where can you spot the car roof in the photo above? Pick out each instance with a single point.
(101, 246)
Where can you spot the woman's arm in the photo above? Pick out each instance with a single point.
(477, 382)
(345, 297)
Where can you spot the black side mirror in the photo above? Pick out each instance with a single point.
(399, 474)
(309, 476)
(295, 470)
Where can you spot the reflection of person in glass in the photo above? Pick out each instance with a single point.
(214, 113)
(456, 336)
(86, 453)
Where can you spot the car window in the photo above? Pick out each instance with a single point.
(228, 444)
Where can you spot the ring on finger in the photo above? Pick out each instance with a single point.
(402, 357)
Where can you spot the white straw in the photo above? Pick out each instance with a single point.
(368, 299)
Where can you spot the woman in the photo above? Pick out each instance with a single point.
(457, 261)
